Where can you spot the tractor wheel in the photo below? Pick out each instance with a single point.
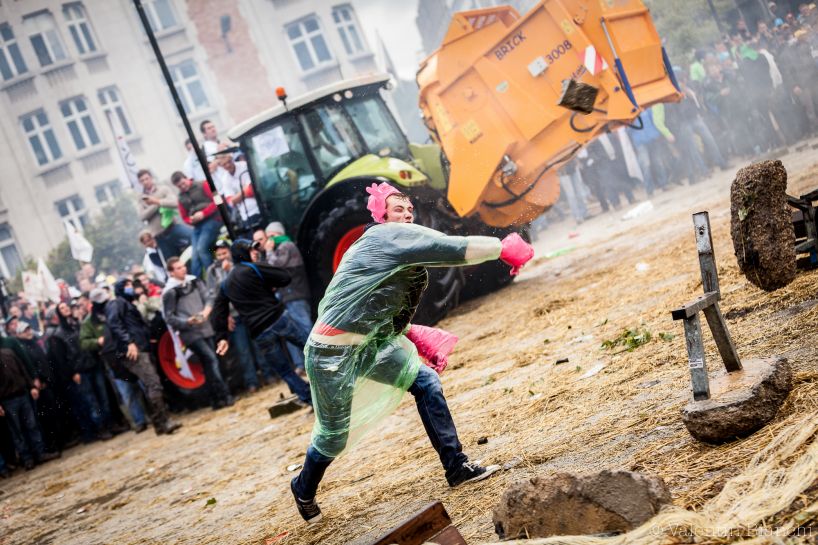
(761, 225)
(442, 294)
(343, 225)
(336, 231)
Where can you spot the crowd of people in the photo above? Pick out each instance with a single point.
(86, 368)
(745, 95)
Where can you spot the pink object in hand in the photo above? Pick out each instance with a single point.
(434, 345)
(516, 252)
(377, 199)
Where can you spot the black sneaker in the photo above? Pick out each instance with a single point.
(308, 509)
(470, 472)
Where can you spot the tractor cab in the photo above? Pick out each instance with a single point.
(295, 150)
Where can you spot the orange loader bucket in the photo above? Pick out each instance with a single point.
(490, 95)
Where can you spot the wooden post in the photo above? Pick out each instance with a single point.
(695, 358)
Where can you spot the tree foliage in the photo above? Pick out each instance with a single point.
(684, 26)
(113, 233)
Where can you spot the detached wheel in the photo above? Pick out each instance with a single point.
(761, 225)
(181, 391)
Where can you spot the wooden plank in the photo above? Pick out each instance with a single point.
(449, 536)
(718, 327)
(429, 522)
(698, 304)
(707, 259)
(695, 358)
(285, 406)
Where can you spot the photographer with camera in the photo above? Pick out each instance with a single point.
(186, 310)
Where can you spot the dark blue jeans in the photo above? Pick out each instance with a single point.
(91, 398)
(206, 351)
(3, 467)
(129, 393)
(245, 353)
(173, 240)
(437, 421)
(269, 343)
(205, 234)
(25, 433)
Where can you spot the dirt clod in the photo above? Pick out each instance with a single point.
(761, 225)
(566, 504)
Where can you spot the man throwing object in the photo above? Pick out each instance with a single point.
(358, 358)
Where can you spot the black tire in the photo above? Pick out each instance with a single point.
(344, 214)
(443, 292)
(493, 275)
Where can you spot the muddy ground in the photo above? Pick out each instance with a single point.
(604, 408)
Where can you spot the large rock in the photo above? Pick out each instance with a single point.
(761, 225)
(740, 402)
(567, 504)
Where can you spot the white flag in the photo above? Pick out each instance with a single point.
(81, 249)
(126, 160)
(50, 289)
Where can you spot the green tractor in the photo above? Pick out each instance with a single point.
(310, 160)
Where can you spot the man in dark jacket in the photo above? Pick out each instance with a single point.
(130, 335)
(251, 287)
(187, 310)
(87, 383)
(48, 412)
(96, 341)
(17, 389)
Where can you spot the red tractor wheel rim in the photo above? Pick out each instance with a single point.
(167, 361)
(343, 245)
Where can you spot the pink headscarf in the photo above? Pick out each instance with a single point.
(378, 194)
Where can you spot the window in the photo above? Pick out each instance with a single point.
(189, 86)
(308, 43)
(108, 192)
(10, 261)
(73, 210)
(160, 14)
(112, 106)
(344, 18)
(42, 31)
(78, 120)
(377, 126)
(41, 137)
(332, 138)
(79, 27)
(11, 61)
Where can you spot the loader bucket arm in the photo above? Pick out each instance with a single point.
(490, 94)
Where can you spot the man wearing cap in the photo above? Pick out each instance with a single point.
(239, 337)
(281, 251)
(131, 338)
(95, 339)
(359, 361)
(251, 288)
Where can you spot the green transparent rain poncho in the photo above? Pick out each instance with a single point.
(358, 360)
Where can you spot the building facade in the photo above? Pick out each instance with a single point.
(72, 70)
(66, 69)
